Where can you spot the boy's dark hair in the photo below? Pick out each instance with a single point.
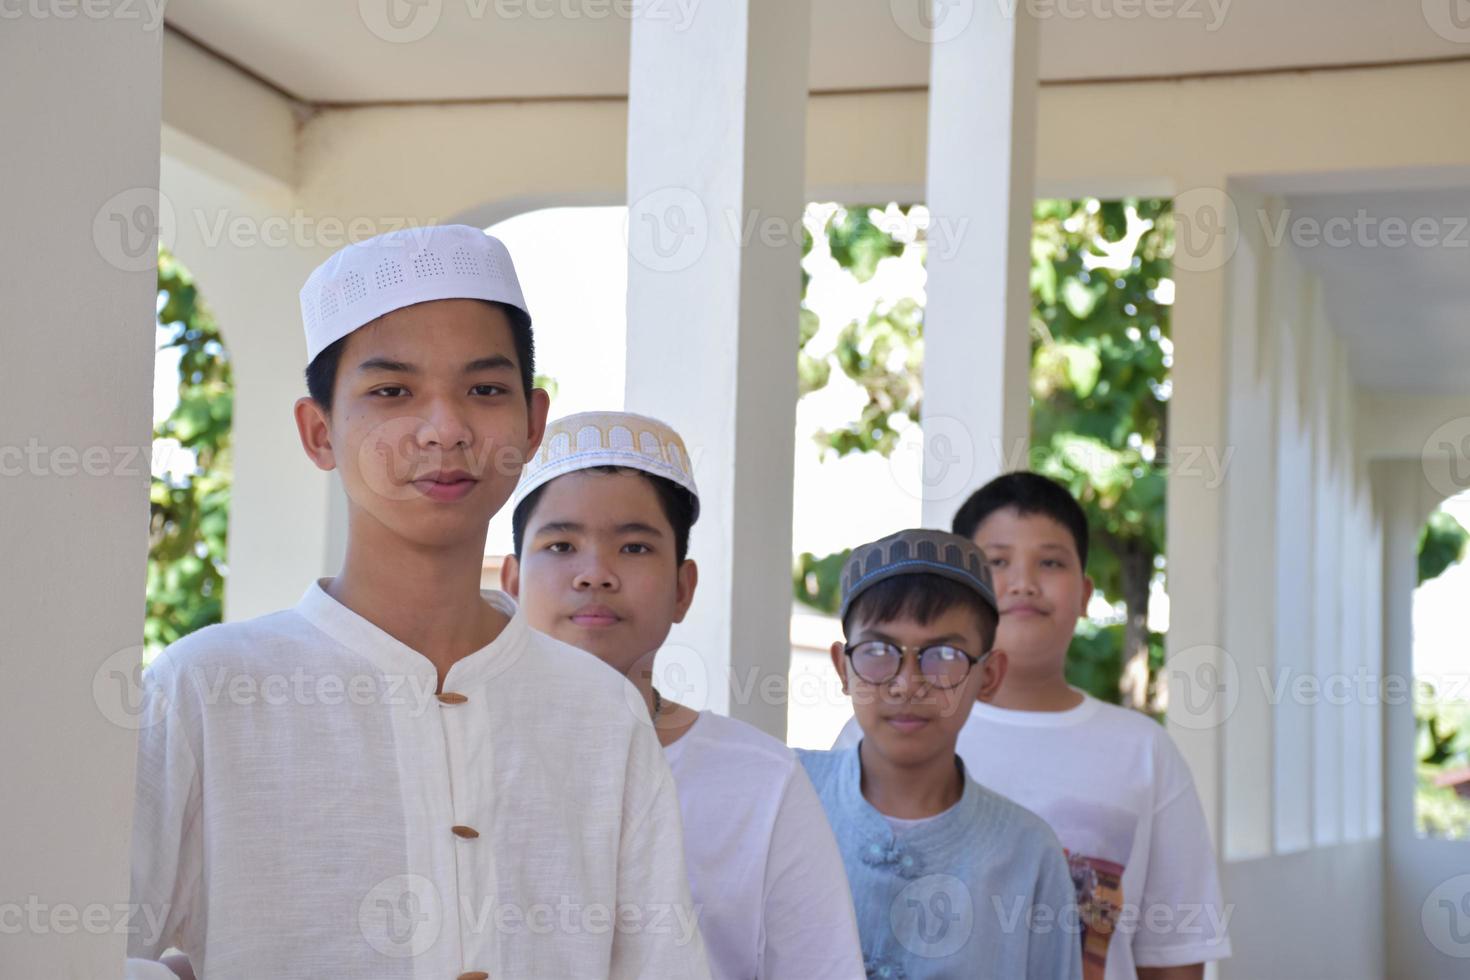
(677, 504)
(321, 373)
(922, 597)
(1028, 493)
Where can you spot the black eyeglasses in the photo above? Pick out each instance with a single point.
(942, 666)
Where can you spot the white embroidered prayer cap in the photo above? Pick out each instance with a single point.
(362, 281)
(589, 439)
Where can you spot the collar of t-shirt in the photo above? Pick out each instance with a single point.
(675, 749)
(938, 831)
(903, 825)
(1076, 715)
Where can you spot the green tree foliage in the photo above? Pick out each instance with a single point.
(1443, 744)
(1442, 543)
(1100, 389)
(190, 504)
(884, 353)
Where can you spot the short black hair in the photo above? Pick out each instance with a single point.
(321, 373)
(1028, 493)
(678, 506)
(923, 597)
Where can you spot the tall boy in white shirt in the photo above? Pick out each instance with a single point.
(399, 778)
(1109, 781)
(601, 530)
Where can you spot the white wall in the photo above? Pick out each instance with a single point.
(1302, 736)
(77, 296)
(1308, 916)
(497, 159)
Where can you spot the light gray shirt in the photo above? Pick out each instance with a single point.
(979, 891)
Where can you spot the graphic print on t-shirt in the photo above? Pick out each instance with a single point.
(1098, 840)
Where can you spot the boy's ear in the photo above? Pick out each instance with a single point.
(992, 674)
(1087, 587)
(839, 662)
(510, 577)
(315, 430)
(536, 420)
(688, 581)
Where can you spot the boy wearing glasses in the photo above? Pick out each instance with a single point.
(1109, 781)
(948, 878)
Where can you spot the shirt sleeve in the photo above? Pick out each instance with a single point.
(655, 926)
(1055, 953)
(139, 969)
(167, 847)
(809, 924)
(1183, 918)
(850, 735)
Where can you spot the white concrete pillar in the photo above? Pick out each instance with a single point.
(1246, 475)
(1292, 578)
(1203, 679)
(79, 159)
(716, 140)
(1327, 555)
(981, 176)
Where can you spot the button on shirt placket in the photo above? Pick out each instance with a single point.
(468, 835)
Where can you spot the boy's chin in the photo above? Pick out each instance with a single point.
(440, 531)
(600, 643)
(908, 748)
(420, 520)
(1034, 644)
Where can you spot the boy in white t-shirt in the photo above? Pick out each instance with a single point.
(1109, 781)
(398, 777)
(601, 532)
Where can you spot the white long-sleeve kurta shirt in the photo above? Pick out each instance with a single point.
(308, 806)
